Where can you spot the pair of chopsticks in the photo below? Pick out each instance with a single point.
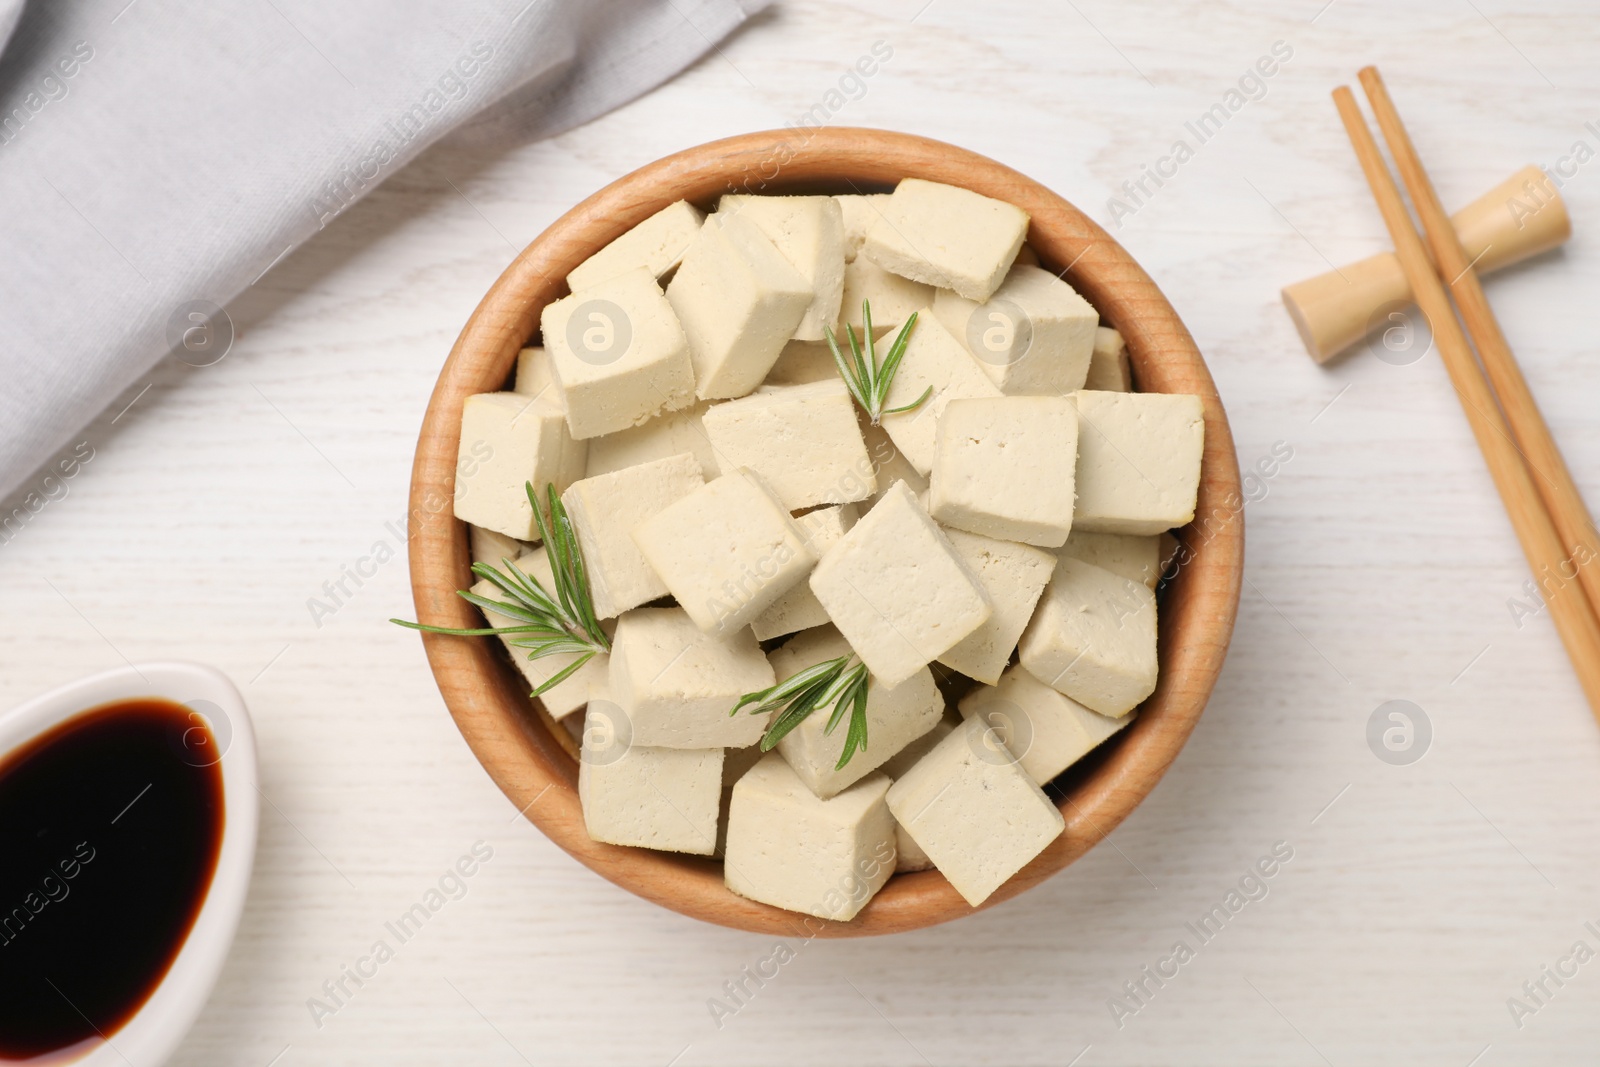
(1544, 505)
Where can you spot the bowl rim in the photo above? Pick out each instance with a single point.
(154, 1032)
(531, 757)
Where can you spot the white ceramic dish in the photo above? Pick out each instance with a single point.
(151, 1036)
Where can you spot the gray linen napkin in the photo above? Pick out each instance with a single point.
(158, 156)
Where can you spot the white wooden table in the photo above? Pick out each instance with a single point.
(1419, 898)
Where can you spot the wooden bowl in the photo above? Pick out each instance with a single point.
(532, 758)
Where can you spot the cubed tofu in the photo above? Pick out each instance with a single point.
(1108, 364)
(619, 354)
(605, 511)
(974, 811)
(507, 441)
(895, 717)
(536, 378)
(1013, 575)
(1137, 557)
(935, 358)
(859, 212)
(676, 685)
(739, 301)
(490, 547)
(572, 692)
(908, 854)
(809, 231)
(1004, 467)
(893, 300)
(889, 464)
(947, 237)
(671, 433)
(801, 363)
(1138, 461)
(802, 439)
(790, 849)
(799, 609)
(736, 762)
(1093, 637)
(657, 245)
(1033, 337)
(897, 589)
(660, 798)
(727, 551)
(1044, 730)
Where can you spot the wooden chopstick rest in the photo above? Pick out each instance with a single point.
(1521, 217)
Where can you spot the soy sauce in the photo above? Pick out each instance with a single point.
(110, 827)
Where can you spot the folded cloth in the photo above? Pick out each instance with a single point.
(156, 157)
(10, 11)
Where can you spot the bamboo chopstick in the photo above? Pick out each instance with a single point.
(1569, 609)
(1549, 470)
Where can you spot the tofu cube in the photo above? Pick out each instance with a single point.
(974, 811)
(895, 717)
(859, 212)
(799, 609)
(618, 353)
(894, 299)
(1108, 363)
(507, 441)
(536, 377)
(947, 237)
(736, 762)
(605, 511)
(657, 245)
(809, 231)
(802, 439)
(934, 358)
(790, 849)
(726, 552)
(1138, 461)
(1093, 637)
(1013, 575)
(572, 692)
(897, 589)
(1033, 337)
(676, 684)
(889, 464)
(1045, 731)
(739, 301)
(489, 547)
(1004, 467)
(908, 854)
(801, 363)
(660, 798)
(672, 433)
(1137, 557)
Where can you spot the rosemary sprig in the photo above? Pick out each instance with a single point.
(836, 681)
(562, 623)
(867, 379)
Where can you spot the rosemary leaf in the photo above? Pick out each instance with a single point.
(855, 739)
(867, 379)
(834, 682)
(546, 625)
(562, 675)
(767, 699)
